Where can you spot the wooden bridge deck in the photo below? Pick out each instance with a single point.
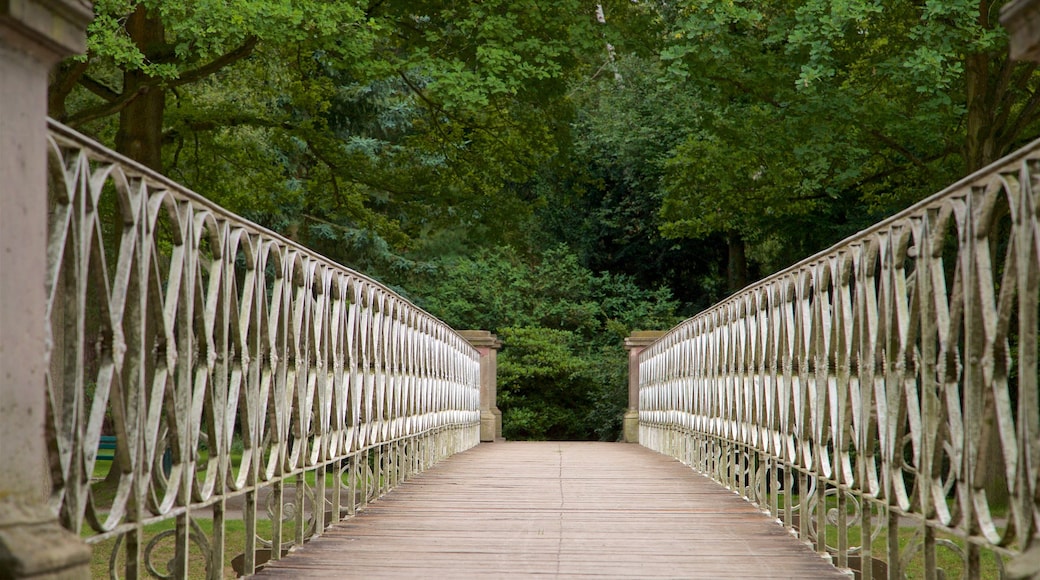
(561, 510)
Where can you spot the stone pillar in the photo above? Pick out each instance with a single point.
(1021, 18)
(490, 416)
(634, 344)
(34, 35)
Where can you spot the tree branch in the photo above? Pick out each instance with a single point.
(356, 178)
(891, 143)
(422, 96)
(111, 108)
(1026, 117)
(895, 170)
(370, 10)
(64, 81)
(120, 102)
(227, 121)
(1007, 69)
(1004, 99)
(244, 50)
(99, 89)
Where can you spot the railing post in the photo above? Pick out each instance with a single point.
(34, 35)
(490, 417)
(634, 344)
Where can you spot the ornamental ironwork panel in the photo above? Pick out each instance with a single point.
(217, 393)
(880, 398)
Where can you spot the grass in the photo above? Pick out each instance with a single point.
(948, 552)
(164, 550)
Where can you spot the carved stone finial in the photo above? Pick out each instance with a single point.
(1022, 20)
(50, 29)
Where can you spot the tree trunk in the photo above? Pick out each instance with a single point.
(980, 150)
(736, 266)
(980, 145)
(139, 136)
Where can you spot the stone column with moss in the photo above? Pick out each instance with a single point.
(34, 36)
(490, 417)
(634, 344)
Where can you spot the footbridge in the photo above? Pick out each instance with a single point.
(188, 395)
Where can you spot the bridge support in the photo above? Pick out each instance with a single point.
(634, 344)
(490, 417)
(34, 35)
(1021, 18)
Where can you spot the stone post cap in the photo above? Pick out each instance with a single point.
(643, 338)
(54, 28)
(479, 338)
(1021, 18)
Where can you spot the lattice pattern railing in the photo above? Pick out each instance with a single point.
(884, 389)
(205, 370)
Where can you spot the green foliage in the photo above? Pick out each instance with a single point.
(387, 136)
(513, 173)
(814, 106)
(562, 369)
(386, 121)
(606, 200)
(545, 388)
(500, 287)
(555, 385)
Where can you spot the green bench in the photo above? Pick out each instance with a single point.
(107, 452)
(107, 448)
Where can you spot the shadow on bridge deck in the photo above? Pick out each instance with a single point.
(556, 509)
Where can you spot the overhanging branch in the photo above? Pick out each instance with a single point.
(118, 102)
(244, 50)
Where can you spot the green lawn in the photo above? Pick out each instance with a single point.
(949, 548)
(163, 550)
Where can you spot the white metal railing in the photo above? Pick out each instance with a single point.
(216, 389)
(885, 388)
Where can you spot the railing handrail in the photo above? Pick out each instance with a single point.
(112, 156)
(862, 373)
(1009, 159)
(186, 328)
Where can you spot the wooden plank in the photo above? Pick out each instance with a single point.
(561, 510)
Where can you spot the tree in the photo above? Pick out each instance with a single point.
(604, 197)
(841, 108)
(366, 130)
(138, 52)
(562, 370)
